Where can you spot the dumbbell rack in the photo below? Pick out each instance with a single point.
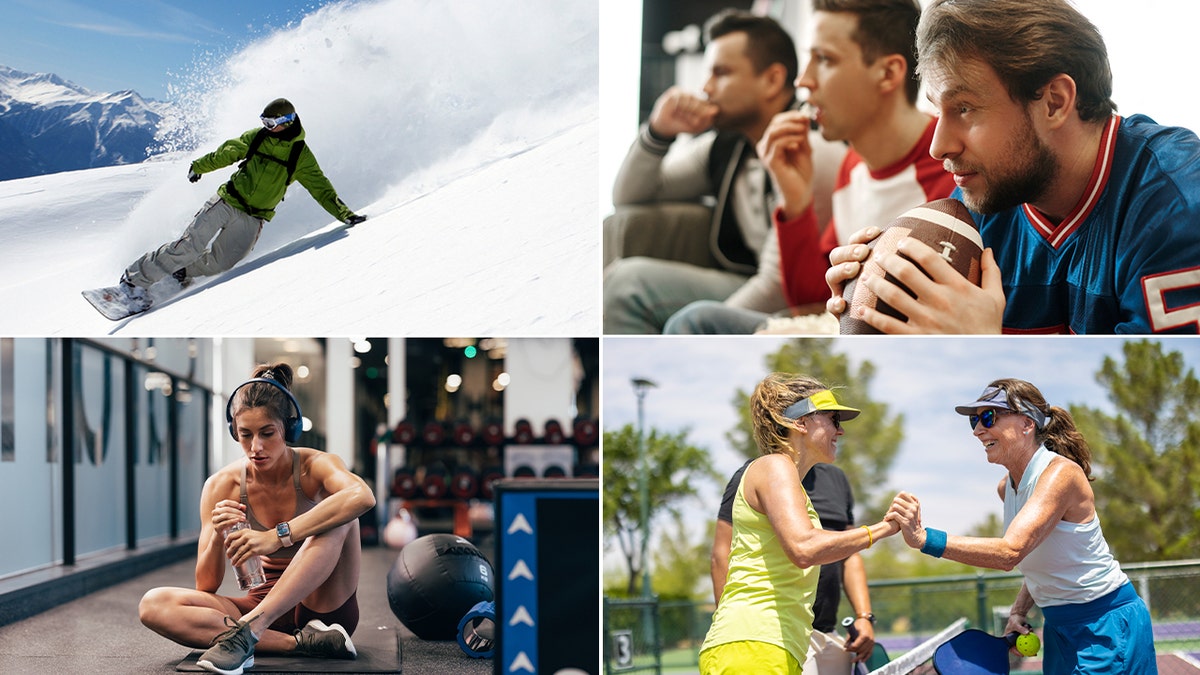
(449, 467)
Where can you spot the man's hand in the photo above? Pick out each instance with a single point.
(355, 219)
(946, 302)
(864, 643)
(680, 112)
(845, 262)
(787, 155)
(193, 176)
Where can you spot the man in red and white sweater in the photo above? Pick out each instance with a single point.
(863, 90)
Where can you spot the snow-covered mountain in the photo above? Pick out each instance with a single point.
(49, 125)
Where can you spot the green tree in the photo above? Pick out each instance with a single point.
(681, 566)
(1146, 458)
(868, 449)
(675, 467)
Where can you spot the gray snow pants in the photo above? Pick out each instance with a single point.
(217, 238)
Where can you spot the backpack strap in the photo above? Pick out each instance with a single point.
(253, 148)
(293, 159)
(290, 163)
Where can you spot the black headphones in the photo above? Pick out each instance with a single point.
(292, 426)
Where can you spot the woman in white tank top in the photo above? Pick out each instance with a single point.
(1095, 622)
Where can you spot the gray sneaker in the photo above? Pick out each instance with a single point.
(324, 642)
(232, 651)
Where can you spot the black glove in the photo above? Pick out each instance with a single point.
(193, 176)
(355, 219)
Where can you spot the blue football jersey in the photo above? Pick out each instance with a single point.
(1127, 258)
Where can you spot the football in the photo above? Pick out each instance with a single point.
(945, 225)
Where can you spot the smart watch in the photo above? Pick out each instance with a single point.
(285, 534)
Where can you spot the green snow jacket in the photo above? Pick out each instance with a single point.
(262, 182)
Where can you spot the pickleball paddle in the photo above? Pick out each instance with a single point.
(975, 652)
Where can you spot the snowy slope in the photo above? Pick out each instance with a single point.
(510, 248)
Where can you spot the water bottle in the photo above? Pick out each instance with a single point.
(250, 573)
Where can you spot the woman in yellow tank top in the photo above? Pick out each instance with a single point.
(764, 620)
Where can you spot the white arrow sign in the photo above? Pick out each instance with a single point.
(522, 662)
(519, 524)
(520, 570)
(521, 616)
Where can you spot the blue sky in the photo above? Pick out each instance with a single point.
(112, 45)
(923, 377)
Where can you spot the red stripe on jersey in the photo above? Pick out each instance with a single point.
(1055, 235)
(1060, 329)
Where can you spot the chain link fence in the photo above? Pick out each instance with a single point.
(632, 635)
(908, 611)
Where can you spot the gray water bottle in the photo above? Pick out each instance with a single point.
(250, 573)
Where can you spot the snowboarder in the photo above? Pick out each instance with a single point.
(227, 227)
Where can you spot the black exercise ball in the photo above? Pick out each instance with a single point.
(435, 581)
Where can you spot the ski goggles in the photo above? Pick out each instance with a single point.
(988, 417)
(272, 122)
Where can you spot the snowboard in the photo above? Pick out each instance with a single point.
(115, 304)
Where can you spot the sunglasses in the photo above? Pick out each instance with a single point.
(272, 122)
(836, 418)
(988, 417)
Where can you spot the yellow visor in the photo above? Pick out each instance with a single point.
(822, 400)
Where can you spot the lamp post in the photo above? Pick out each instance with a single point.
(640, 386)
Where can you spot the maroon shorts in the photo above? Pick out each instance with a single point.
(297, 617)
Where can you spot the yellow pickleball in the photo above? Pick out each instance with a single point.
(1028, 644)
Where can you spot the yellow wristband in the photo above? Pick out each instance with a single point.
(870, 537)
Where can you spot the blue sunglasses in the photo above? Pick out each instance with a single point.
(988, 417)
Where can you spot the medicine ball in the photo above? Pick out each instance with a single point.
(435, 581)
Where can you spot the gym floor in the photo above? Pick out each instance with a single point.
(100, 632)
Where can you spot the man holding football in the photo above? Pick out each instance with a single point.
(1088, 218)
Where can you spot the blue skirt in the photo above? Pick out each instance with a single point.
(1111, 634)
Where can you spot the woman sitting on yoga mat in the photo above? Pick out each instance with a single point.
(302, 506)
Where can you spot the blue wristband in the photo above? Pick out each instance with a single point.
(935, 542)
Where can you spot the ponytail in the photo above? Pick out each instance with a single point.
(1061, 437)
